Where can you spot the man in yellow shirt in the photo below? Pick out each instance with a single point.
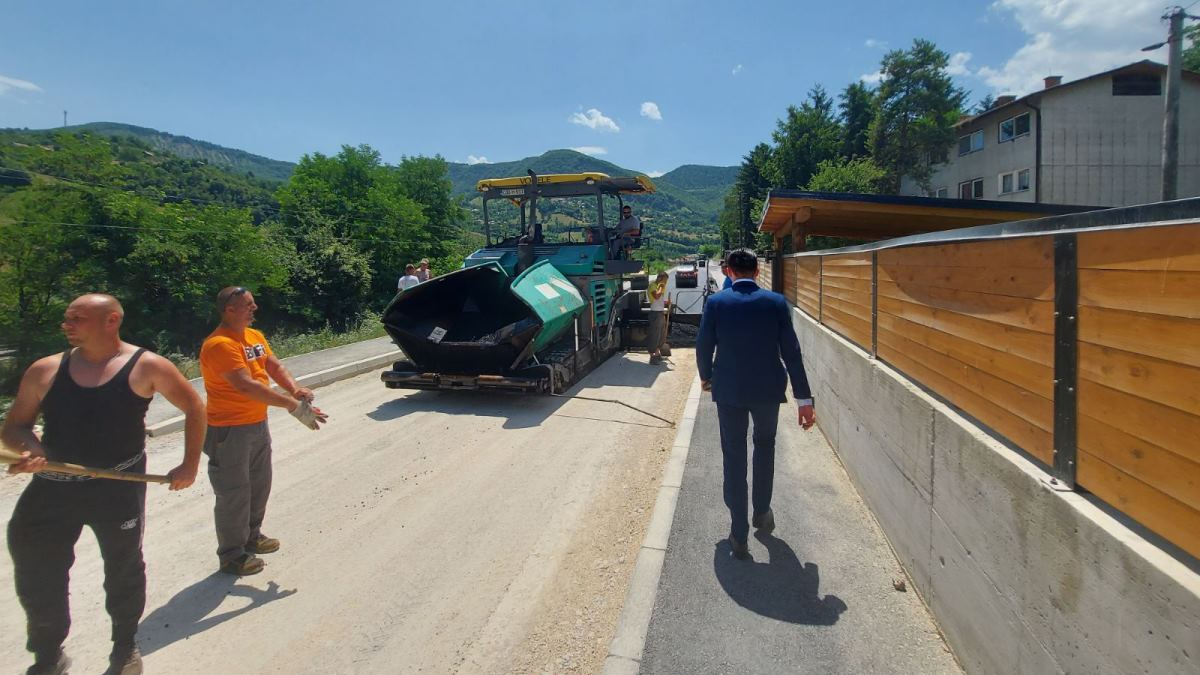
(237, 365)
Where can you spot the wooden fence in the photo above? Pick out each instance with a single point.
(1081, 348)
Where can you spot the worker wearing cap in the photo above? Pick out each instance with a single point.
(237, 365)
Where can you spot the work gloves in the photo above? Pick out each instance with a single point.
(309, 416)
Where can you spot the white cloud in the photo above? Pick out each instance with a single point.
(472, 159)
(591, 150)
(7, 83)
(737, 69)
(594, 119)
(650, 109)
(872, 43)
(656, 174)
(1074, 38)
(958, 63)
(872, 78)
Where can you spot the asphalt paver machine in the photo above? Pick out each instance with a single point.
(524, 313)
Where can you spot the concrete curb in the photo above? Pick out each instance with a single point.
(625, 650)
(311, 380)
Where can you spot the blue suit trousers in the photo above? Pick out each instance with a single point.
(734, 421)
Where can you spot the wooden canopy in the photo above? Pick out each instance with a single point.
(873, 217)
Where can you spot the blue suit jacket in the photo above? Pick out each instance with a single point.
(751, 331)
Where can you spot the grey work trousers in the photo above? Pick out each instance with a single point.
(239, 468)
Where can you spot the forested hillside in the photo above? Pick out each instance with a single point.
(236, 161)
(81, 212)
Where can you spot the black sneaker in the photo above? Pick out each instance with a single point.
(124, 661)
(764, 522)
(53, 664)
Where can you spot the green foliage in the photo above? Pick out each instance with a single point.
(710, 251)
(859, 175)
(228, 159)
(1191, 53)
(918, 105)
(857, 108)
(352, 203)
(804, 138)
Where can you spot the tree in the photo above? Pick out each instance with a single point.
(354, 199)
(804, 138)
(857, 109)
(426, 180)
(859, 175)
(1191, 54)
(751, 185)
(985, 104)
(918, 105)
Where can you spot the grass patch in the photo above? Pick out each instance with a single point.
(300, 343)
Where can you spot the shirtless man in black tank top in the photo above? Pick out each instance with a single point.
(93, 401)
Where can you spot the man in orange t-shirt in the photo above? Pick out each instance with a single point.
(237, 365)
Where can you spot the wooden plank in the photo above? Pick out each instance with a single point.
(1036, 315)
(1037, 410)
(1166, 337)
(857, 285)
(849, 306)
(852, 297)
(1161, 425)
(1174, 248)
(1037, 347)
(847, 260)
(1037, 442)
(1028, 375)
(1171, 384)
(847, 272)
(1153, 292)
(1169, 517)
(1177, 476)
(1016, 282)
(1032, 252)
(851, 327)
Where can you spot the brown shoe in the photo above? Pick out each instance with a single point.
(125, 662)
(50, 664)
(243, 565)
(263, 544)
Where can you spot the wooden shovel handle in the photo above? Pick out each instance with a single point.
(9, 457)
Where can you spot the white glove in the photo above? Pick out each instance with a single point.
(309, 416)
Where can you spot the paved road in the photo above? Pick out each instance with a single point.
(422, 532)
(817, 596)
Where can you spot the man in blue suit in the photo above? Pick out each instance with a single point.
(750, 329)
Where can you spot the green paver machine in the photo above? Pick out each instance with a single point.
(526, 314)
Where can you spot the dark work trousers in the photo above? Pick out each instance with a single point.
(734, 423)
(239, 468)
(46, 523)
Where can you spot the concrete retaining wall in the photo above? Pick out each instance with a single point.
(1021, 578)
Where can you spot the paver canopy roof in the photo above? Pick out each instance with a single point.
(587, 182)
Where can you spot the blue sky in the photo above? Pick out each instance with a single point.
(502, 81)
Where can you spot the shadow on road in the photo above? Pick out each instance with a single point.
(782, 588)
(188, 612)
(521, 411)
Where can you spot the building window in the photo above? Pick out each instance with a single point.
(1137, 84)
(971, 189)
(972, 142)
(1014, 127)
(1014, 181)
(942, 193)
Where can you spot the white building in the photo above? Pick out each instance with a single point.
(1095, 141)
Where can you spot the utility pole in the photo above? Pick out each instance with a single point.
(1170, 153)
(64, 118)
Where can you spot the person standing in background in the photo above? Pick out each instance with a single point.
(409, 279)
